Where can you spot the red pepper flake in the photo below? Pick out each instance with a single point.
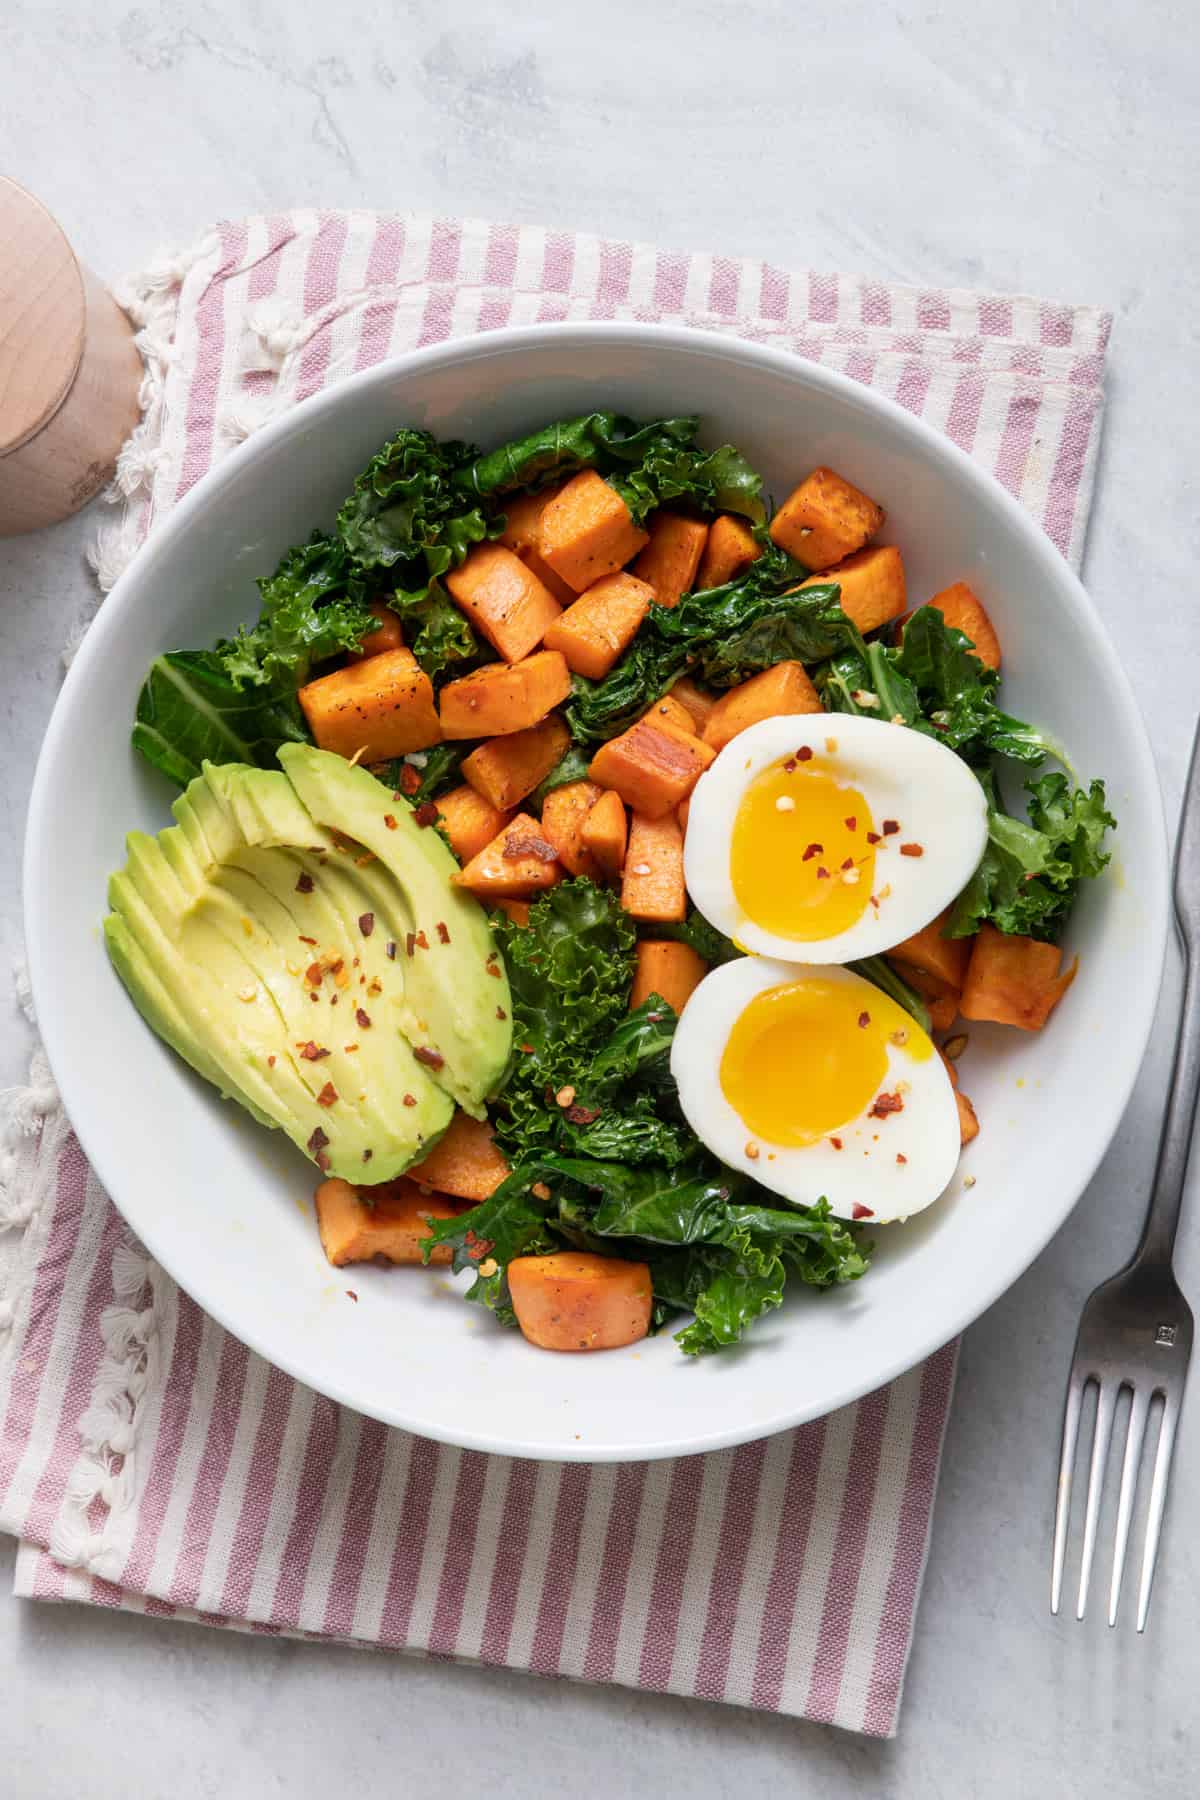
(517, 847)
(305, 884)
(391, 949)
(582, 1115)
(885, 1104)
(410, 943)
(366, 924)
(890, 827)
(351, 1295)
(804, 754)
(912, 849)
(864, 1019)
(851, 823)
(422, 941)
(362, 1019)
(900, 1157)
(433, 1059)
(492, 969)
(812, 850)
(426, 813)
(500, 1013)
(822, 873)
(836, 1142)
(389, 820)
(317, 1143)
(410, 779)
(525, 1049)
(861, 1212)
(313, 1052)
(789, 767)
(873, 837)
(849, 863)
(443, 932)
(410, 1099)
(314, 974)
(328, 1095)
(306, 940)
(270, 1062)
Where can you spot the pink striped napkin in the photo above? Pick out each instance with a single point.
(147, 1460)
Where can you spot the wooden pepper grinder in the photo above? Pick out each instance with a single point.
(69, 371)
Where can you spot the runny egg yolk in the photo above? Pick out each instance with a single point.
(805, 1059)
(799, 859)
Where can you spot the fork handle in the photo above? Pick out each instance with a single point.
(1162, 1219)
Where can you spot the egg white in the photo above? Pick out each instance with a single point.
(901, 774)
(864, 1173)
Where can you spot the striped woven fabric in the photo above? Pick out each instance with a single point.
(147, 1460)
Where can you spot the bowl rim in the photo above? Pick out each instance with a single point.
(1128, 1050)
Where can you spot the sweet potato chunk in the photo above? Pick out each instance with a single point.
(671, 558)
(515, 865)
(652, 767)
(784, 688)
(564, 814)
(504, 600)
(572, 1300)
(387, 635)
(523, 520)
(603, 834)
(652, 886)
(824, 520)
(698, 701)
(872, 584)
(377, 708)
(501, 698)
(505, 769)
(962, 608)
(466, 1161)
(470, 821)
(669, 711)
(940, 996)
(517, 910)
(929, 951)
(731, 548)
(682, 812)
(390, 1224)
(1013, 980)
(673, 971)
(601, 624)
(586, 531)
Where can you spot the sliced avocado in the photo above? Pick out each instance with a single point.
(457, 1001)
(247, 935)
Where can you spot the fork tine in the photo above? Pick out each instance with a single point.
(1158, 1497)
(1135, 1432)
(1066, 1467)
(1106, 1404)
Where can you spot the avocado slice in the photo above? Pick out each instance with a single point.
(250, 933)
(457, 1005)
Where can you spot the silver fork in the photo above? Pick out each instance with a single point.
(1136, 1329)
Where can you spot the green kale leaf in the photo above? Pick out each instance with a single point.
(1029, 876)
(409, 513)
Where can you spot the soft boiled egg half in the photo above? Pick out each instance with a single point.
(816, 1084)
(829, 837)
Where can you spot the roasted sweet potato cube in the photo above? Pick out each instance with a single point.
(698, 701)
(962, 608)
(501, 698)
(602, 623)
(825, 520)
(929, 951)
(1013, 980)
(940, 997)
(669, 711)
(514, 866)
(523, 519)
(586, 531)
(377, 708)
(652, 767)
(673, 971)
(390, 1223)
(505, 769)
(516, 910)
(604, 833)
(564, 814)
(387, 635)
(470, 821)
(670, 560)
(652, 886)
(504, 600)
(682, 812)
(872, 584)
(573, 1300)
(780, 690)
(731, 548)
(466, 1161)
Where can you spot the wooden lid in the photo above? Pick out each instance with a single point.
(42, 314)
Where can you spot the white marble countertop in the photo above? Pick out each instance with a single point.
(1022, 147)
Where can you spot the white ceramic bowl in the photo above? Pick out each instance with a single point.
(225, 1206)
